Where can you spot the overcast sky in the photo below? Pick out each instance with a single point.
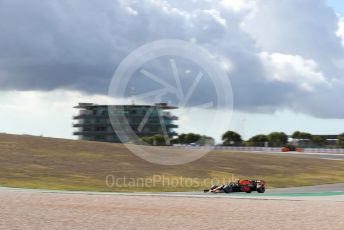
(285, 58)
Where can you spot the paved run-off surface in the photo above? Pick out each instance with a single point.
(37, 210)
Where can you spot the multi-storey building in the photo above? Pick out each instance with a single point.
(97, 122)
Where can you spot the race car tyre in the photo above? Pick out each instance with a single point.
(261, 190)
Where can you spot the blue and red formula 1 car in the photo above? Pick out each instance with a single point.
(247, 186)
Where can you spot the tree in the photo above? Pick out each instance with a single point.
(258, 140)
(302, 135)
(318, 141)
(192, 138)
(306, 136)
(159, 140)
(277, 139)
(182, 138)
(231, 138)
(148, 140)
(187, 138)
(302, 138)
(340, 141)
(296, 135)
(154, 140)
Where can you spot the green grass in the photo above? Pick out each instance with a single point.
(47, 163)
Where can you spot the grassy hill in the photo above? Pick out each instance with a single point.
(39, 162)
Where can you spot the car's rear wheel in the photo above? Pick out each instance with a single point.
(261, 189)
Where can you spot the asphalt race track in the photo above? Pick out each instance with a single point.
(330, 192)
(44, 209)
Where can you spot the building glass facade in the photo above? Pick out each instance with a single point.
(93, 121)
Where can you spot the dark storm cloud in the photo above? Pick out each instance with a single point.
(78, 44)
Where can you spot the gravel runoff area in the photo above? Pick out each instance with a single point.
(37, 210)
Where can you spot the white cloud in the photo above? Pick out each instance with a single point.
(340, 31)
(238, 5)
(289, 27)
(217, 16)
(43, 113)
(294, 69)
(132, 11)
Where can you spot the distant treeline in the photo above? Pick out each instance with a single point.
(280, 139)
(274, 139)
